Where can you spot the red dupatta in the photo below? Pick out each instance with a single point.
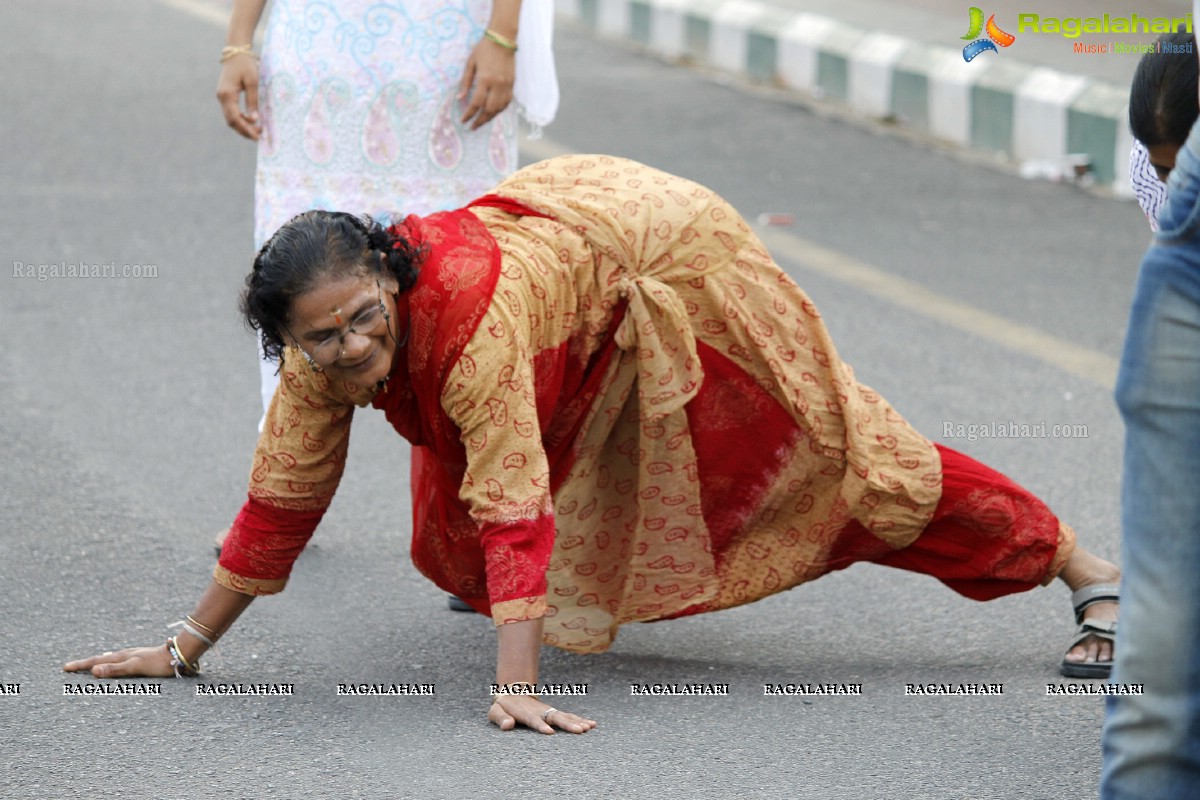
(459, 271)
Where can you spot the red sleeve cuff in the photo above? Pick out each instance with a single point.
(262, 545)
(516, 556)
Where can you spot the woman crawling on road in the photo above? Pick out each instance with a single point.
(623, 411)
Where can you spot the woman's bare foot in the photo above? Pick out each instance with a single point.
(1085, 569)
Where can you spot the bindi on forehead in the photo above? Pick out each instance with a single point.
(331, 305)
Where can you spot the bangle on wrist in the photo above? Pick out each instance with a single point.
(195, 634)
(235, 50)
(500, 39)
(509, 689)
(182, 668)
(192, 627)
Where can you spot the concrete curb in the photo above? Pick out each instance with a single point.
(992, 104)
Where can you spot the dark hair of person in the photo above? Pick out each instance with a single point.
(1162, 99)
(312, 247)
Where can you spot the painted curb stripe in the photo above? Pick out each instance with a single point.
(1009, 107)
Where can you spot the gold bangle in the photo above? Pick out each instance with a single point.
(178, 652)
(500, 39)
(199, 624)
(233, 51)
(506, 690)
(178, 663)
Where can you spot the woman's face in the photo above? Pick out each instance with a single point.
(1162, 158)
(339, 324)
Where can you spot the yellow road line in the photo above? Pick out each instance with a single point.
(1077, 360)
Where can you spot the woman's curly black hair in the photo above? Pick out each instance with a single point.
(315, 246)
(1162, 101)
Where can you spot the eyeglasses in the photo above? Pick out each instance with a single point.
(365, 323)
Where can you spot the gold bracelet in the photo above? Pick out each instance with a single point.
(179, 652)
(505, 687)
(500, 39)
(233, 51)
(180, 664)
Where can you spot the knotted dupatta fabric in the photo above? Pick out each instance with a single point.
(500, 563)
(632, 561)
(725, 446)
(459, 271)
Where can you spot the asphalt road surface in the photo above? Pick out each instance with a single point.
(963, 293)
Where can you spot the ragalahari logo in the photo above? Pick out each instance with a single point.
(995, 35)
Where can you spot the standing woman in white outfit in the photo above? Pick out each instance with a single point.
(382, 106)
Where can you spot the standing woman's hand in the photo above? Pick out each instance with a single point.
(488, 80)
(239, 78)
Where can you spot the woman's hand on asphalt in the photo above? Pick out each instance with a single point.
(132, 662)
(508, 710)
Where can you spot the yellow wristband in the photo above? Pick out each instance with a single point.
(503, 41)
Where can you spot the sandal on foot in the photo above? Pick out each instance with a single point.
(1101, 629)
(457, 603)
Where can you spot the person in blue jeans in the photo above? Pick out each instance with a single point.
(1152, 742)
